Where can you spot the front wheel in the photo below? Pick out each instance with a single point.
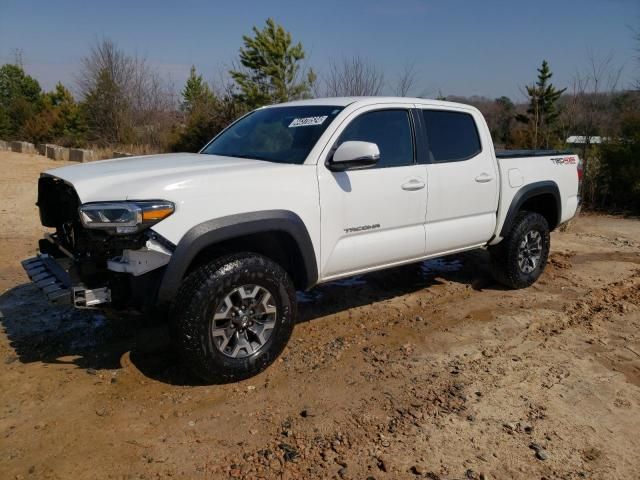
(233, 316)
(519, 259)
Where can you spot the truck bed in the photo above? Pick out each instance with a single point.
(524, 169)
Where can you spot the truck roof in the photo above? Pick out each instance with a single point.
(344, 101)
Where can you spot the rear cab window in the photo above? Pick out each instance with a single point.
(451, 136)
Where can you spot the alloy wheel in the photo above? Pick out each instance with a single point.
(243, 321)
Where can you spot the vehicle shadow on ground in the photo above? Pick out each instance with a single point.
(469, 268)
(40, 332)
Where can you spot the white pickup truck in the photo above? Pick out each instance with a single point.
(288, 197)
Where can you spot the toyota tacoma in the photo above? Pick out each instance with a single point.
(287, 197)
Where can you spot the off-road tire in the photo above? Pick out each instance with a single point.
(200, 294)
(504, 256)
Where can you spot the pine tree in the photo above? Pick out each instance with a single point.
(69, 123)
(272, 69)
(205, 114)
(543, 112)
(59, 119)
(196, 92)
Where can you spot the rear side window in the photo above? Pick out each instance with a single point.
(390, 130)
(451, 136)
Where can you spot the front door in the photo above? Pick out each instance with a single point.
(374, 217)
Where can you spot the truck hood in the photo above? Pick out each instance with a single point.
(153, 176)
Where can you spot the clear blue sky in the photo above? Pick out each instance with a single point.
(488, 47)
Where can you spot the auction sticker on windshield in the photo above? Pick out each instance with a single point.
(307, 121)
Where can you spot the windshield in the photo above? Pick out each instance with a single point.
(275, 134)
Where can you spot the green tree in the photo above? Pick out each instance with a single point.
(57, 120)
(543, 112)
(618, 185)
(504, 120)
(204, 121)
(20, 100)
(195, 92)
(106, 110)
(206, 114)
(272, 71)
(14, 82)
(68, 125)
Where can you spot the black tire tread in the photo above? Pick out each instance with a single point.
(504, 267)
(196, 289)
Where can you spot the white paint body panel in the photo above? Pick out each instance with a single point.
(369, 197)
(463, 196)
(453, 212)
(202, 187)
(398, 218)
(538, 169)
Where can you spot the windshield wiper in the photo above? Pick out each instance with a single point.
(255, 157)
(233, 155)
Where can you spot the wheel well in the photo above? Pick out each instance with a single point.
(546, 205)
(279, 246)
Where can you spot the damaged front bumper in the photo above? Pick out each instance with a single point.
(51, 275)
(91, 268)
(125, 282)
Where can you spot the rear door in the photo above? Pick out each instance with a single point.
(462, 179)
(374, 217)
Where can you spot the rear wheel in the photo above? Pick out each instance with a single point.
(233, 316)
(519, 259)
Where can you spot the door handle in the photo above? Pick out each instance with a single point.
(413, 184)
(484, 178)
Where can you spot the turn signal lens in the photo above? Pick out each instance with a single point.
(156, 215)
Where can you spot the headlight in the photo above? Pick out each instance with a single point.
(124, 217)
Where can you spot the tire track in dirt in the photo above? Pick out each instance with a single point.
(423, 397)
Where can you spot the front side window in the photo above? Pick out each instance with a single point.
(451, 136)
(275, 134)
(390, 130)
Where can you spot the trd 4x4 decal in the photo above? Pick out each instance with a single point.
(564, 160)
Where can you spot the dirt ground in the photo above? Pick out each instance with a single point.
(430, 371)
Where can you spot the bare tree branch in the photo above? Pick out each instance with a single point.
(129, 100)
(406, 80)
(353, 76)
(636, 36)
(590, 113)
(592, 92)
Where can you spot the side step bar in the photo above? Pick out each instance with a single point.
(49, 277)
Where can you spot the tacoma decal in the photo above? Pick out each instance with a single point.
(361, 228)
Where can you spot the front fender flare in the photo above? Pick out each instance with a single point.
(220, 229)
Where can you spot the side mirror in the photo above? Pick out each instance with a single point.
(353, 155)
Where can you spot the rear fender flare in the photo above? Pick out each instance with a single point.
(525, 193)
